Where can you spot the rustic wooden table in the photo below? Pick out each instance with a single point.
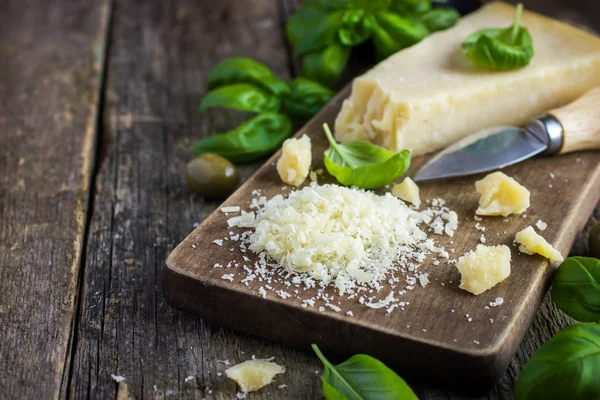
(97, 116)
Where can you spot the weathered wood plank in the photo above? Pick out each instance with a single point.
(159, 56)
(52, 58)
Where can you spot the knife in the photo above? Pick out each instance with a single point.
(573, 127)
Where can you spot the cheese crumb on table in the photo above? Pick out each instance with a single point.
(531, 242)
(407, 191)
(501, 195)
(541, 225)
(484, 268)
(254, 374)
(296, 157)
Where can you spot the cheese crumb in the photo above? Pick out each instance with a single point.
(230, 209)
(484, 268)
(541, 225)
(254, 374)
(531, 242)
(295, 160)
(501, 195)
(244, 220)
(218, 242)
(407, 191)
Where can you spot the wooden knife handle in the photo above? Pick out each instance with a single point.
(580, 121)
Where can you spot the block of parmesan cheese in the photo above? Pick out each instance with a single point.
(430, 95)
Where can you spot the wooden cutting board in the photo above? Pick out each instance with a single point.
(445, 335)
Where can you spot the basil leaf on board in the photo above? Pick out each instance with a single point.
(362, 377)
(241, 96)
(363, 164)
(256, 138)
(310, 29)
(440, 18)
(566, 367)
(501, 49)
(325, 65)
(356, 27)
(392, 33)
(576, 288)
(306, 98)
(244, 70)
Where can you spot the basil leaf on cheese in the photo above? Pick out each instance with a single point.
(501, 49)
(363, 164)
(362, 377)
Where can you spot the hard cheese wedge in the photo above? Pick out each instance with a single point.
(430, 95)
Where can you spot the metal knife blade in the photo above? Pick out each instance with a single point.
(482, 151)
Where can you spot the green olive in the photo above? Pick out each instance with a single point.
(211, 175)
(594, 241)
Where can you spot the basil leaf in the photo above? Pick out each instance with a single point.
(356, 27)
(501, 49)
(306, 98)
(576, 288)
(310, 29)
(363, 164)
(326, 65)
(393, 33)
(362, 377)
(255, 138)
(241, 96)
(566, 367)
(440, 18)
(367, 5)
(406, 7)
(244, 70)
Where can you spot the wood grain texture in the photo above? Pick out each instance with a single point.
(159, 56)
(52, 58)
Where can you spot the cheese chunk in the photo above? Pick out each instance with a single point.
(531, 242)
(430, 95)
(294, 164)
(484, 268)
(252, 375)
(407, 191)
(501, 195)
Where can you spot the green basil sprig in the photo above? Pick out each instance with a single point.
(243, 84)
(256, 138)
(566, 367)
(501, 49)
(362, 377)
(576, 288)
(363, 164)
(324, 32)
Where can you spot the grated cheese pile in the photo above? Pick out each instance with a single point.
(340, 235)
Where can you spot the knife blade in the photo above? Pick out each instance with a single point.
(483, 151)
(570, 128)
